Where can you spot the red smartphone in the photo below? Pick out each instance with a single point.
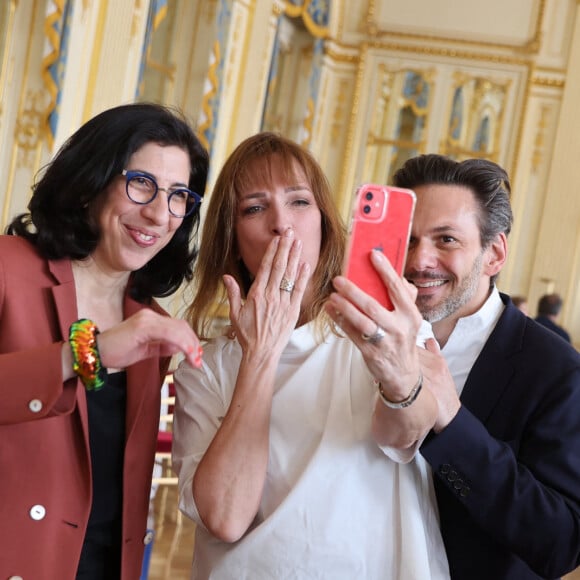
(381, 220)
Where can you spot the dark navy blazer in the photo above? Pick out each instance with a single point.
(548, 323)
(507, 467)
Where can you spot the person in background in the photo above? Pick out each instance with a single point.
(521, 303)
(549, 307)
(273, 436)
(505, 446)
(84, 347)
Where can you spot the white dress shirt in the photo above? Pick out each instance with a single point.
(469, 337)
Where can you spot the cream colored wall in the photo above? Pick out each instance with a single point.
(528, 44)
(557, 259)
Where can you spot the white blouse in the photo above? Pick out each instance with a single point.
(335, 506)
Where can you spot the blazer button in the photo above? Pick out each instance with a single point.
(35, 405)
(148, 538)
(452, 476)
(458, 484)
(37, 512)
(464, 492)
(444, 469)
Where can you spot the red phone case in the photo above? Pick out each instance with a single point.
(381, 220)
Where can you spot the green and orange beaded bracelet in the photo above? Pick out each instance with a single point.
(86, 358)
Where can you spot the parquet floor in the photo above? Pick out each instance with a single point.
(174, 537)
(173, 546)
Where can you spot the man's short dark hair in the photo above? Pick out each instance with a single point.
(487, 180)
(549, 305)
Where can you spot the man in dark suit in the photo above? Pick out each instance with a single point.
(549, 307)
(505, 447)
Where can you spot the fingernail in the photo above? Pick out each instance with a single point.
(338, 282)
(289, 232)
(200, 351)
(378, 255)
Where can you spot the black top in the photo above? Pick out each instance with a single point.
(106, 410)
(101, 553)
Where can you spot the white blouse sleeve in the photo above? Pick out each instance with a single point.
(202, 400)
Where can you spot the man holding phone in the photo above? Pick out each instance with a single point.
(505, 447)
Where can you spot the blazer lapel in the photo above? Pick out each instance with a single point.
(64, 294)
(492, 372)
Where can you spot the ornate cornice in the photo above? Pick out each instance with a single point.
(530, 47)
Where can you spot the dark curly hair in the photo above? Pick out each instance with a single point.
(59, 222)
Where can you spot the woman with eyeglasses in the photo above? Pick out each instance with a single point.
(84, 346)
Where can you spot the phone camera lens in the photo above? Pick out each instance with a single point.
(367, 208)
(368, 196)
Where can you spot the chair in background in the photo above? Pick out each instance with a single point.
(162, 481)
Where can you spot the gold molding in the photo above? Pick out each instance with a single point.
(428, 50)
(336, 56)
(451, 53)
(28, 127)
(425, 50)
(539, 140)
(531, 47)
(520, 132)
(344, 196)
(548, 82)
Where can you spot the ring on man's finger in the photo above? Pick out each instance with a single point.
(378, 335)
(286, 285)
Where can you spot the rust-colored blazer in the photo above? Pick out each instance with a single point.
(45, 468)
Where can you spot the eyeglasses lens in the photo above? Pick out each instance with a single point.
(180, 202)
(141, 189)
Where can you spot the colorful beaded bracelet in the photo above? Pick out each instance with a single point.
(86, 358)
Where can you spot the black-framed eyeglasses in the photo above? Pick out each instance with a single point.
(142, 189)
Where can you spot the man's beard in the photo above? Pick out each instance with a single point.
(459, 297)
